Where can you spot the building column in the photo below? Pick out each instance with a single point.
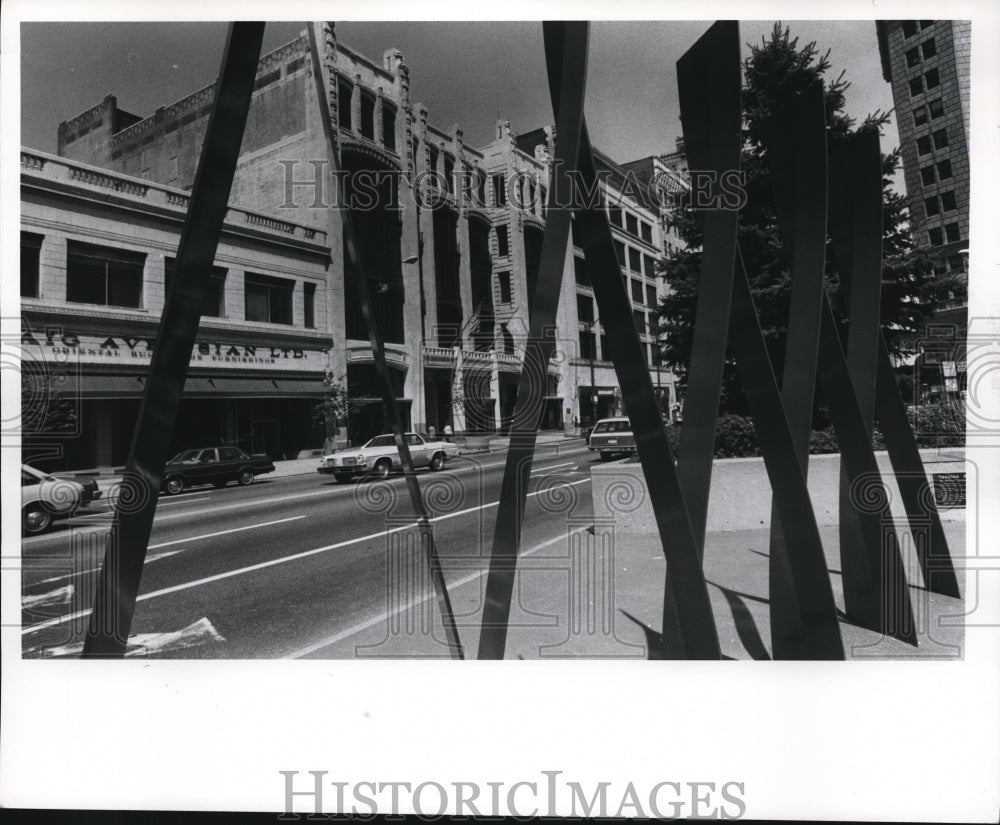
(299, 304)
(235, 305)
(356, 105)
(154, 284)
(495, 389)
(52, 268)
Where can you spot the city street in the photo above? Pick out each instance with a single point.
(300, 565)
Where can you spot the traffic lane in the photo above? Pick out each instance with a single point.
(274, 611)
(353, 507)
(261, 605)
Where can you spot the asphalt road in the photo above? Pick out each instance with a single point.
(301, 566)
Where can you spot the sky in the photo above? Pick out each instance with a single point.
(464, 72)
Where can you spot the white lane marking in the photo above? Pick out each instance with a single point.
(58, 596)
(158, 556)
(538, 470)
(145, 644)
(344, 634)
(272, 562)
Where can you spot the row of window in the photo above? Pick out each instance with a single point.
(924, 51)
(911, 27)
(635, 260)
(936, 171)
(933, 142)
(930, 79)
(632, 224)
(950, 234)
(113, 277)
(589, 352)
(931, 111)
(366, 127)
(944, 203)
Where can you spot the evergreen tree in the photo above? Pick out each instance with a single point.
(910, 286)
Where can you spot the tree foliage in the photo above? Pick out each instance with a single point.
(336, 405)
(910, 286)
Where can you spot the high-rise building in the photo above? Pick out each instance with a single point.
(927, 64)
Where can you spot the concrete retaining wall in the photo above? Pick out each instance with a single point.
(740, 497)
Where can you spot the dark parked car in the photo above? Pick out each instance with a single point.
(213, 465)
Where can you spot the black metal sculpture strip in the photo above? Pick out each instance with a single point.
(566, 59)
(689, 629)
(709, 79)
(118, 585)
(783, 463)
(872, 569)
(796, 157)
(354, 267)
(935, 559)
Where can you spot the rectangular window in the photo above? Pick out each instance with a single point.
(935, 236)
(646, 231)
(637, 293)
(924, 145)
(503, 241)
(927, 175)
(931, 206)
(951, 232)
(389, 127)
(631, 224)
(309, 306)
(588, 345)
(267, 299)
(956, 263)
(651, 301)
(344, 93)
(367, 116)
(634, 259)
(649, 266)
(920, 116)
(912, 57)
(102, 275)
(31, 251)
(916, 86)
(941, 139)
(909, 28)
(639, 317)
(944, 169)
(948, 200)
(585, 309)
(449, 173)
(615, 215)
(937, 108)
(620, 253)
(506, 295)
(605, 351)
(580, 270)
(932, 79)
(214, 298)
(929, 49)
(499, 190)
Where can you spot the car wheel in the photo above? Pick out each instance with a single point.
(175, 485)
(382, 468)
(35, 519)
(605, 455)
(437, 462)
(246, 476)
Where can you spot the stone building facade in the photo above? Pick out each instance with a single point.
(450, 237)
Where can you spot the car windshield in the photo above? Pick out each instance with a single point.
(186, 455)
(382, 441)
(613, 427)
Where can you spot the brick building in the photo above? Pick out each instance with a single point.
(450, 235)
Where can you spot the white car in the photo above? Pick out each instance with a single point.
(44, 498)
(380, 457)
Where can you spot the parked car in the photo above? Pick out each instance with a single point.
(380, 456)
(213, 465)
(45, 498)
(611, 436)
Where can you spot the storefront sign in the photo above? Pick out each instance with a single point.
(59, 346)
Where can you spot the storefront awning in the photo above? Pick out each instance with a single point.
(124, 386)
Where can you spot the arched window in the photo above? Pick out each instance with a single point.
(368, 115)
(345, 91)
